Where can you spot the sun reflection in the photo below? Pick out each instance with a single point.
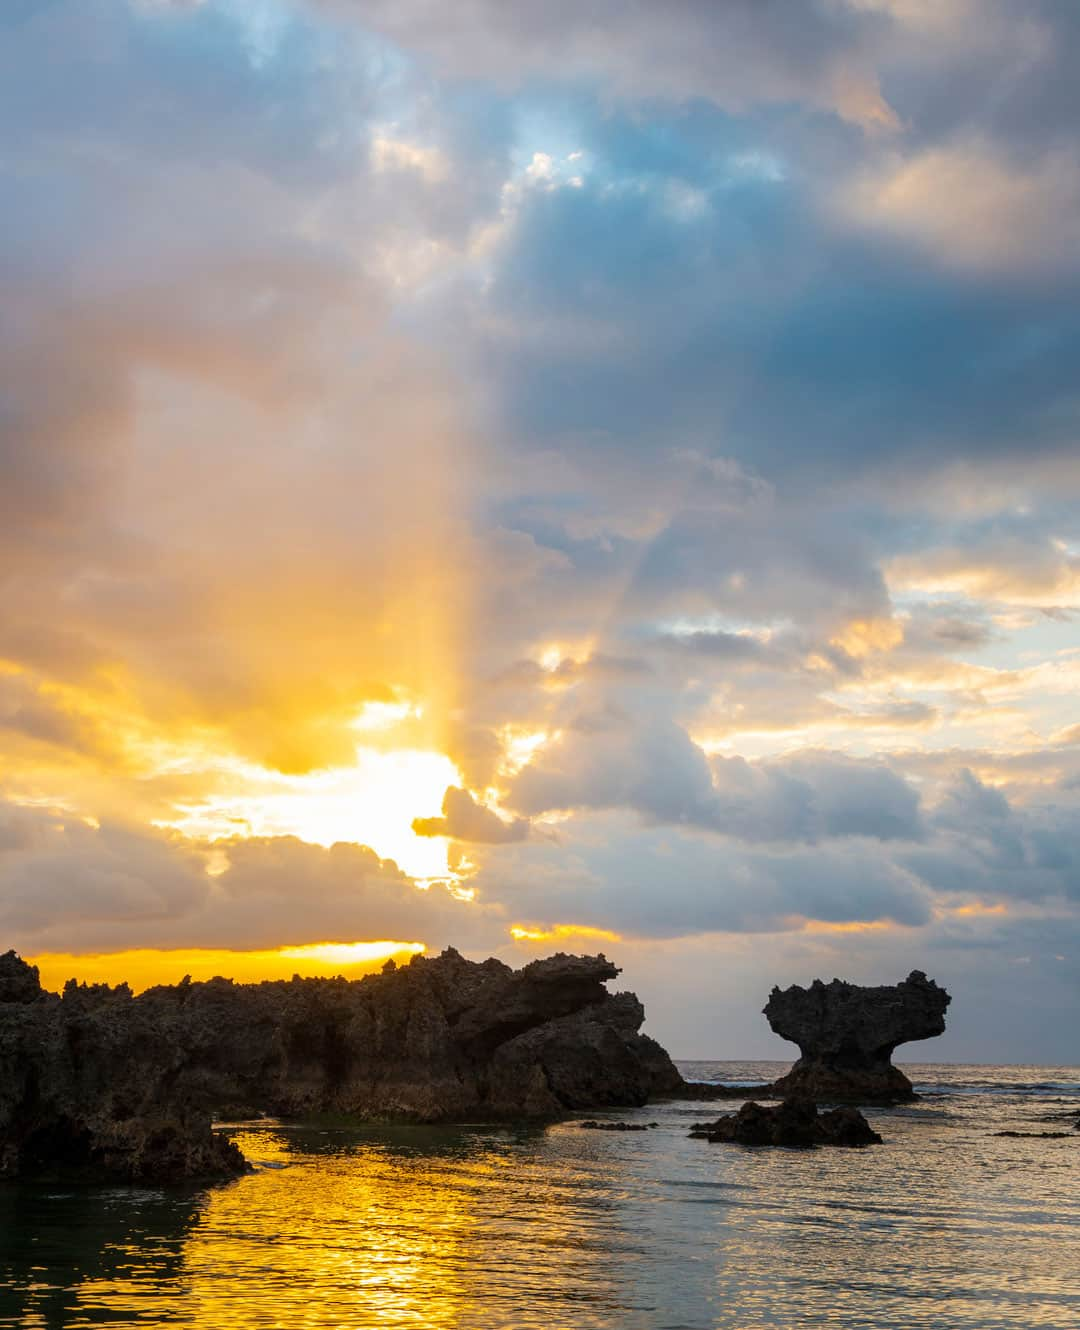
(383, 1235)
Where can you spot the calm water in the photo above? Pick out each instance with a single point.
(943, 1226)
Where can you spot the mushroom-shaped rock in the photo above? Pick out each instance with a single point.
(847, 1033)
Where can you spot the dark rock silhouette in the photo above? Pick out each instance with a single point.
(99, 1083)
(19, 982)
(846, 1035)
(794, 1123)
(592, 1125)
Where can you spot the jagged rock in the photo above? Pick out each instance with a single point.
(101, 1083)
(19, 982)
(846, 1035)
(795, 1123)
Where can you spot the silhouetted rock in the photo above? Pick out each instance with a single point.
(89, 1090)
(19, 982)
(101, 1083)
(846, 1035)
(795, 1124)
(592, 1125)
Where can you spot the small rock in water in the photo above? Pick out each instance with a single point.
(795, 1123)
(591, 1125)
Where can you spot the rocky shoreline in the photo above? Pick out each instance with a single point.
(98, 1084)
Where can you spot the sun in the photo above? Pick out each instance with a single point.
(373, 803)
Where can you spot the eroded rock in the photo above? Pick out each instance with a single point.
(847, 1033)
(794, 1123)
(99, 1083)
(19, 982)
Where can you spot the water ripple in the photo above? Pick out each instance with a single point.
(477, 1228)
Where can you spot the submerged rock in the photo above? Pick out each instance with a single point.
(99, 1083)
(794, 1123)
(592, 1125)
(847, 1033)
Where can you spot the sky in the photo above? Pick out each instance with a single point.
(591, 476)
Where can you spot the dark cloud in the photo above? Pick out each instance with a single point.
(608, 872)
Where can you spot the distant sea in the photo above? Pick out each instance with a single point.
(945, 1225)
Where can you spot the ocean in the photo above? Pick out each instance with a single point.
(945, 1225)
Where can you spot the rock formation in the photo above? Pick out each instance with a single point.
(795, 1123)
(98, 1083)
(89, 1089)
(19, 982)
(846, 1035)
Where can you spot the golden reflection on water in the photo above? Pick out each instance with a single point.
(382, 1237)
(559, 1229)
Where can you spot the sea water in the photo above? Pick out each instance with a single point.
(944, 1225)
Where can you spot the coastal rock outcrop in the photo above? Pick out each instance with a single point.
(99, 1083)
(847, 1033)
(794, 1123)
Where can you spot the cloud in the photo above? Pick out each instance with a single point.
(692, 50)
(66, 885)
(466, 820)
(608, 871)
(973, 208)
(655, 769)
(203, 319)
(1036, 570)
(624, 400)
